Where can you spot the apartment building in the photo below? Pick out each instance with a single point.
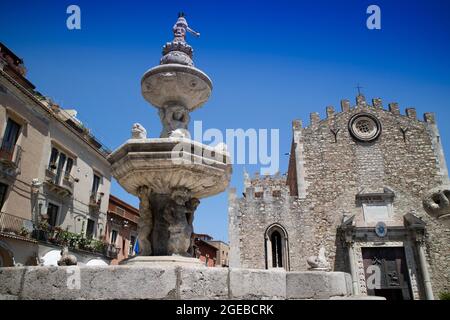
(54, 177)
(121, 229)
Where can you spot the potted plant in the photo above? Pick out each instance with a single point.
(55, 235)
(42, 230)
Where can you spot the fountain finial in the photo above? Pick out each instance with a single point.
(180, 27)
(178, 51)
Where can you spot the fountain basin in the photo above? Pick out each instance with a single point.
(158, 164)
(169, 83)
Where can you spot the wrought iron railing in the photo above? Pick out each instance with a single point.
(111, 251)
(11, 154)
(95, 200)
(16, 225)
(66, 181)
(43, 232)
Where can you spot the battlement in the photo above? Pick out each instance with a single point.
(265, 187)
(377, 103)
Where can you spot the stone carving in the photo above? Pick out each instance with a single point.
(66, 258)
(138, 131)
(145, 221)
(178, 51)
(180, 133)
(437, 203)
(166, 222)
(177, 213)
(172, 118)
(319, 262)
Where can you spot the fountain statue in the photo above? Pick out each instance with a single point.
(170, 174)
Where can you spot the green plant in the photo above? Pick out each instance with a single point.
(44, 226)
(444, 295)
(96, 245)
(24, 232)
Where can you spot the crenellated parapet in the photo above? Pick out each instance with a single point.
(376, 104)
(265, 187)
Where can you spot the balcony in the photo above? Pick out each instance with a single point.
(111, 251)
(17, 226)
(48, 234)
(10, 156)
(62, 187)
(95, 201)
(24, 229)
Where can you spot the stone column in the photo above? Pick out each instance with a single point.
(353, 272)
(424, 270)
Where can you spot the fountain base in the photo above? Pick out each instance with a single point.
(163, 261)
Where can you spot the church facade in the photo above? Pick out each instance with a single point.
(369, 186)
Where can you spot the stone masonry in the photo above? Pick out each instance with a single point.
(329, 169)
(168, 282)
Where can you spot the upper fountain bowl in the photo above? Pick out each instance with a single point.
(168, 83)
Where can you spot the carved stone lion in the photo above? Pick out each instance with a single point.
(318, 262)
(138, 131)
(180, 133)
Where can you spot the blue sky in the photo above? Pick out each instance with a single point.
(270, 62)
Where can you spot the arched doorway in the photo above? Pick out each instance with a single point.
(276, 246)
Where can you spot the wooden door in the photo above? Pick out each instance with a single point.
(394, 283)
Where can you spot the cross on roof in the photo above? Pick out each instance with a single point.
(359, 89)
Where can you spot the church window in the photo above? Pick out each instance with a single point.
(276, 246)
(364, 127)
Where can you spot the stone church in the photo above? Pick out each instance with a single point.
(369, 188)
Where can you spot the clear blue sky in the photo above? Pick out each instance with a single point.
(270, 62)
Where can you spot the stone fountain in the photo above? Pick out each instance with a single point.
(170, 174)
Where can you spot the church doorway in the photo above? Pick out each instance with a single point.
(386, 273)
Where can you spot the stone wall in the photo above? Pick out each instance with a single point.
(169, 282)
(326, 172)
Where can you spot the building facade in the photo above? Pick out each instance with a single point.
(121, 229)
(204, 250)
(223, 250)
(214, 253)
(54, 178)
(369, 186)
